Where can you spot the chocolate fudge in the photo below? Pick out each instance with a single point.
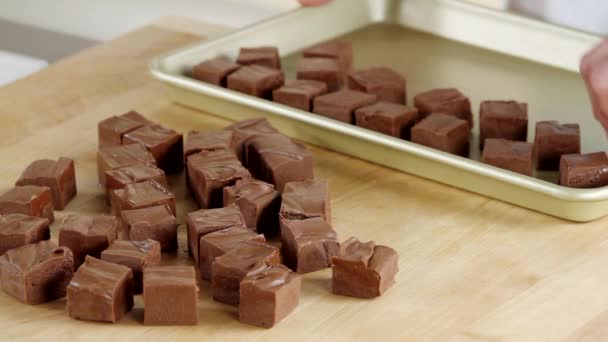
(30, 200)
(256, 80)
(156, 223)
(165, 144)
(383, 82)
(100, 291)
(267, 297)
(443, 132)
(214, 71)
(516, 156)
(342, 104)
(145, 194)
(88, 235)
(584, 170)
(205, 221)
(337, 49)
(137, 117)
(245, 130)
(170, 295)
(308, 244)
(276, 159)
(446, 101)
(36, 273)
(59, 176)
(503, 120)
(306, 199)
(136, 255)
(259, 202)
(554, 140)
(299, 93)
(110, 158)
(389, 118)
(18, 230)
(363, 270)
(244, 259)
(111, 130)
(326, 70)
(119, 178)
(198, 141)
(267, 56)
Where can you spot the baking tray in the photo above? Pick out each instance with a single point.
(485, 53)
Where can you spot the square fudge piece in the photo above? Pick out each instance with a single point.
(383, 82)
(18, 230)
(553, 141)
(165, 144)
(445, 101)
(205, 221)
(267, 56)
(269, 296)
(111, 130)
(308, 244)
(170, 296)
(36, 273)
(584, 170)
(363, 270)
(100, 291)
(516, 156)
(299, 93)
(156, 223)
(146, 194)
(59, 176)
(503, 120)
(136, 255)
(338, 49)
(443, 132)
(215, 244)
(30, 200)
(214, 71)
(245, 130)
(306, 199)
(276, 159)
(256, 80)
(110, 158)
(389, 118)
(88, 235)
(259, 203)
(342, 104)
(245, 259)
(119, 178)
(199, 141)
(326, 70)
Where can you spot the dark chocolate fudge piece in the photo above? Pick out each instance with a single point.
(337, 49)
(299, 93)
(165, 144)
(267, 56)
(244, 259)
(136, 255)
(36, 273)
(59, 175)
(306, 199)
(119, 178)
(584, 170)
(384, 82)
(110, 158)
(88, 235)
(342, 104)
(553, 141)
(516, 156)
(308, 244)
(156, 223)
(198, 141)
(389, 118)
(111, 130)
(443, 132)
(100, 291)
(267, 297)
(363, 270)
(259, 203)
(256, 80)
(18, 230)
(503, 120)
(30, 200)
(326, 70)
(214, 71)
(145, 194)
(246, 129)
(446, 101)
(170, 295)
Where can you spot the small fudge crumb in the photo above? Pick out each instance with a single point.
(341, 105)
(516, 156)
(165, 144)
(156, 223)
(306, 199)
(145, 194)
(267, 56)
(59, 175)
(338, 49)
(214, 71)
(256, 80)
(18, 230)
(383, 82)
(119, 178)
(136, 255)
(110, 158)
(503, 120)
(446, 101)
(443, 132)
(259, 203)
(245, 130)
(326, 70)
(389, 118)
(111, 130)
(170, 296)
(299, 93)
(29, 200)
(88, 235)
(308, 244)
(584, 170)
(553, 141)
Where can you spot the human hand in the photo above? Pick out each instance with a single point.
(313, 2)
(594, 69)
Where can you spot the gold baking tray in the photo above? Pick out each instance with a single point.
(487, 54)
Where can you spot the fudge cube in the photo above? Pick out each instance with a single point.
(584, 170)
(58, 175)
(100, 291)
(198, 141)
(145, 194)
(119, 178)
(553, 140)
(383, 82)
(244, 259)
(88, 235)
(214, 71)
(18, 230)
(256, 80)
(245, 130)
(259, 203)
(170, 296)
(342, 104)
(299, 93)
(306, 199)
(516, 156)
(363, 270)
(443, 132)
(338, 49)
(389, 118)
(30, 200)
(36, 273)
(326, 70)
(137, 117)
(308, 244)
(156, 223)
(445, 101)
(267, 56)
(111, 130)
(165, 144)
(136, 255)
(503, 120)
(269, 296)
(110, 158)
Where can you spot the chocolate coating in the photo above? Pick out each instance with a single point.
(136, 255)
(18, 230)
(446, 101)
(165, 144)
(515, 156)
(110, 158)
(338, 49)
(111, 130)
(299, 93)
(267, 56)
(389, 118)
(584, 170)
(145, 194)
(326, 70)
(30, 200)
(170, 296)
(383, 82)
(443, 132)
(245, 130)
(214, 71)
(341, 105)
(59, 176)
(308, 244)
(156, 223)
(87, 235)
(256, 80)
(503, 120)
(553, 140)
(306, 199)
(259, 203)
